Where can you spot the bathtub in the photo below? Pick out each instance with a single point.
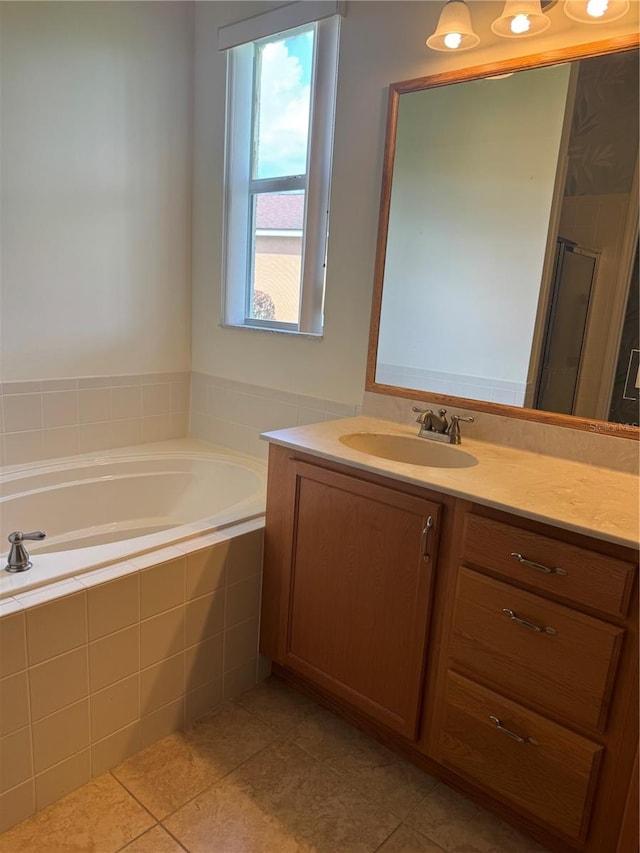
(100, 509)
(140, 614)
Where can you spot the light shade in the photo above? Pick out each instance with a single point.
(454, 30)
(596, 11)
(521, 18)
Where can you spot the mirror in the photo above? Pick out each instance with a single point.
(507, 262)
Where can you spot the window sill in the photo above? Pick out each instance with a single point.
(311, 335)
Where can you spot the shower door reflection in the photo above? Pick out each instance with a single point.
(566, 327)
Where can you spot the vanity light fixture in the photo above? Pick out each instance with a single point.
(454, 30)
(595, 11)
(521, 18)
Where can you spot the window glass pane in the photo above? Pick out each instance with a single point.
(283, 95)
(276, 256)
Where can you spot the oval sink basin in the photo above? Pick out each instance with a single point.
(412, 451)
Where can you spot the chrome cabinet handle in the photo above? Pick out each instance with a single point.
(425, 539)
(539, 629)
(498, 724)
(537, 566)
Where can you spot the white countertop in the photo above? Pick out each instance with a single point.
(584, 498)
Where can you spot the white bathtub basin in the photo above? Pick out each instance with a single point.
(97, 510)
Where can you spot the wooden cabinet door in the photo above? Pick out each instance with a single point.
(358, 592)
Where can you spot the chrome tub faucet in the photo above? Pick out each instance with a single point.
(18, 559)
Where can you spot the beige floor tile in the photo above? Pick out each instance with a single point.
(169, 773)
(288, 788)
(101, 817)
(457, 824)
(277, 704)
(407, 840)
(225, 819)
(378, 773)
(154, 840)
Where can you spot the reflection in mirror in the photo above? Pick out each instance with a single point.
(509, 272)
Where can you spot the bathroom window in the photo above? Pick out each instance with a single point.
(280, 112)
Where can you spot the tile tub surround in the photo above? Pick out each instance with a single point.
(270, 772)
(235, 413)
(62, 417)
(93, 672)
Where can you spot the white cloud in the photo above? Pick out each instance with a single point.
(284, 113)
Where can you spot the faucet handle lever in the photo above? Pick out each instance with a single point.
(19, 536)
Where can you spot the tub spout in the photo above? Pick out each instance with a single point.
(18, 559)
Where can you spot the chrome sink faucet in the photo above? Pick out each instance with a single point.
(437, 427)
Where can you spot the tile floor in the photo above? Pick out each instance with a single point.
(271, 772)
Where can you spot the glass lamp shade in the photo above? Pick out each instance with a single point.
(595, 11)
(521, 18)
(454, 30)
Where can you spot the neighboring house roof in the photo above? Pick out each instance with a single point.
(280, 211)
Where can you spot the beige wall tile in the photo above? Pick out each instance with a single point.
(162, 587)
(15, 759)
(115, 707)
(63, 778)
(243, 601)
(110, 751)
(126, 402)
(22, 412)
(94, 405)
(60, 441)
(203, 663)
(156, 428)
(113, 606)
(17, 804)
(56, 627)
(161, 636)
(14, 703)
(13, 644)
(22, 447)
(240, 679)
(204, 617)
(156, 399)
(114, 657)
(161, 684)
(60, 408)
(58, 682)
(161, 723)
(60, 735)
(240, 644)
(199, 702)
(245, 556)
(206, 570)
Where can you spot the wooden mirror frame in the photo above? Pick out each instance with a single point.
(539, 60)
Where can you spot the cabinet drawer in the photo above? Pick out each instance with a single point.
(586, 577)
(568, 667)
(530, 762)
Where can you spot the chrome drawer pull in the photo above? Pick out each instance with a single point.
(539, 629)
(537, 566)
(425, 539)
(498, 724)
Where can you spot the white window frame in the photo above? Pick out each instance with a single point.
(239, 187)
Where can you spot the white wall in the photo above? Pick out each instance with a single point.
(381, 42)
(473, 183)
(96, 188)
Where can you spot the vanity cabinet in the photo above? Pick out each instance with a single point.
(355, 574)
(499, 653)
(536, 698)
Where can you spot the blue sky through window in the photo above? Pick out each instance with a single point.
(284, 90)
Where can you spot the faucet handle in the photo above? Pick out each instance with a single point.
(454, 428)
(19, 536)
